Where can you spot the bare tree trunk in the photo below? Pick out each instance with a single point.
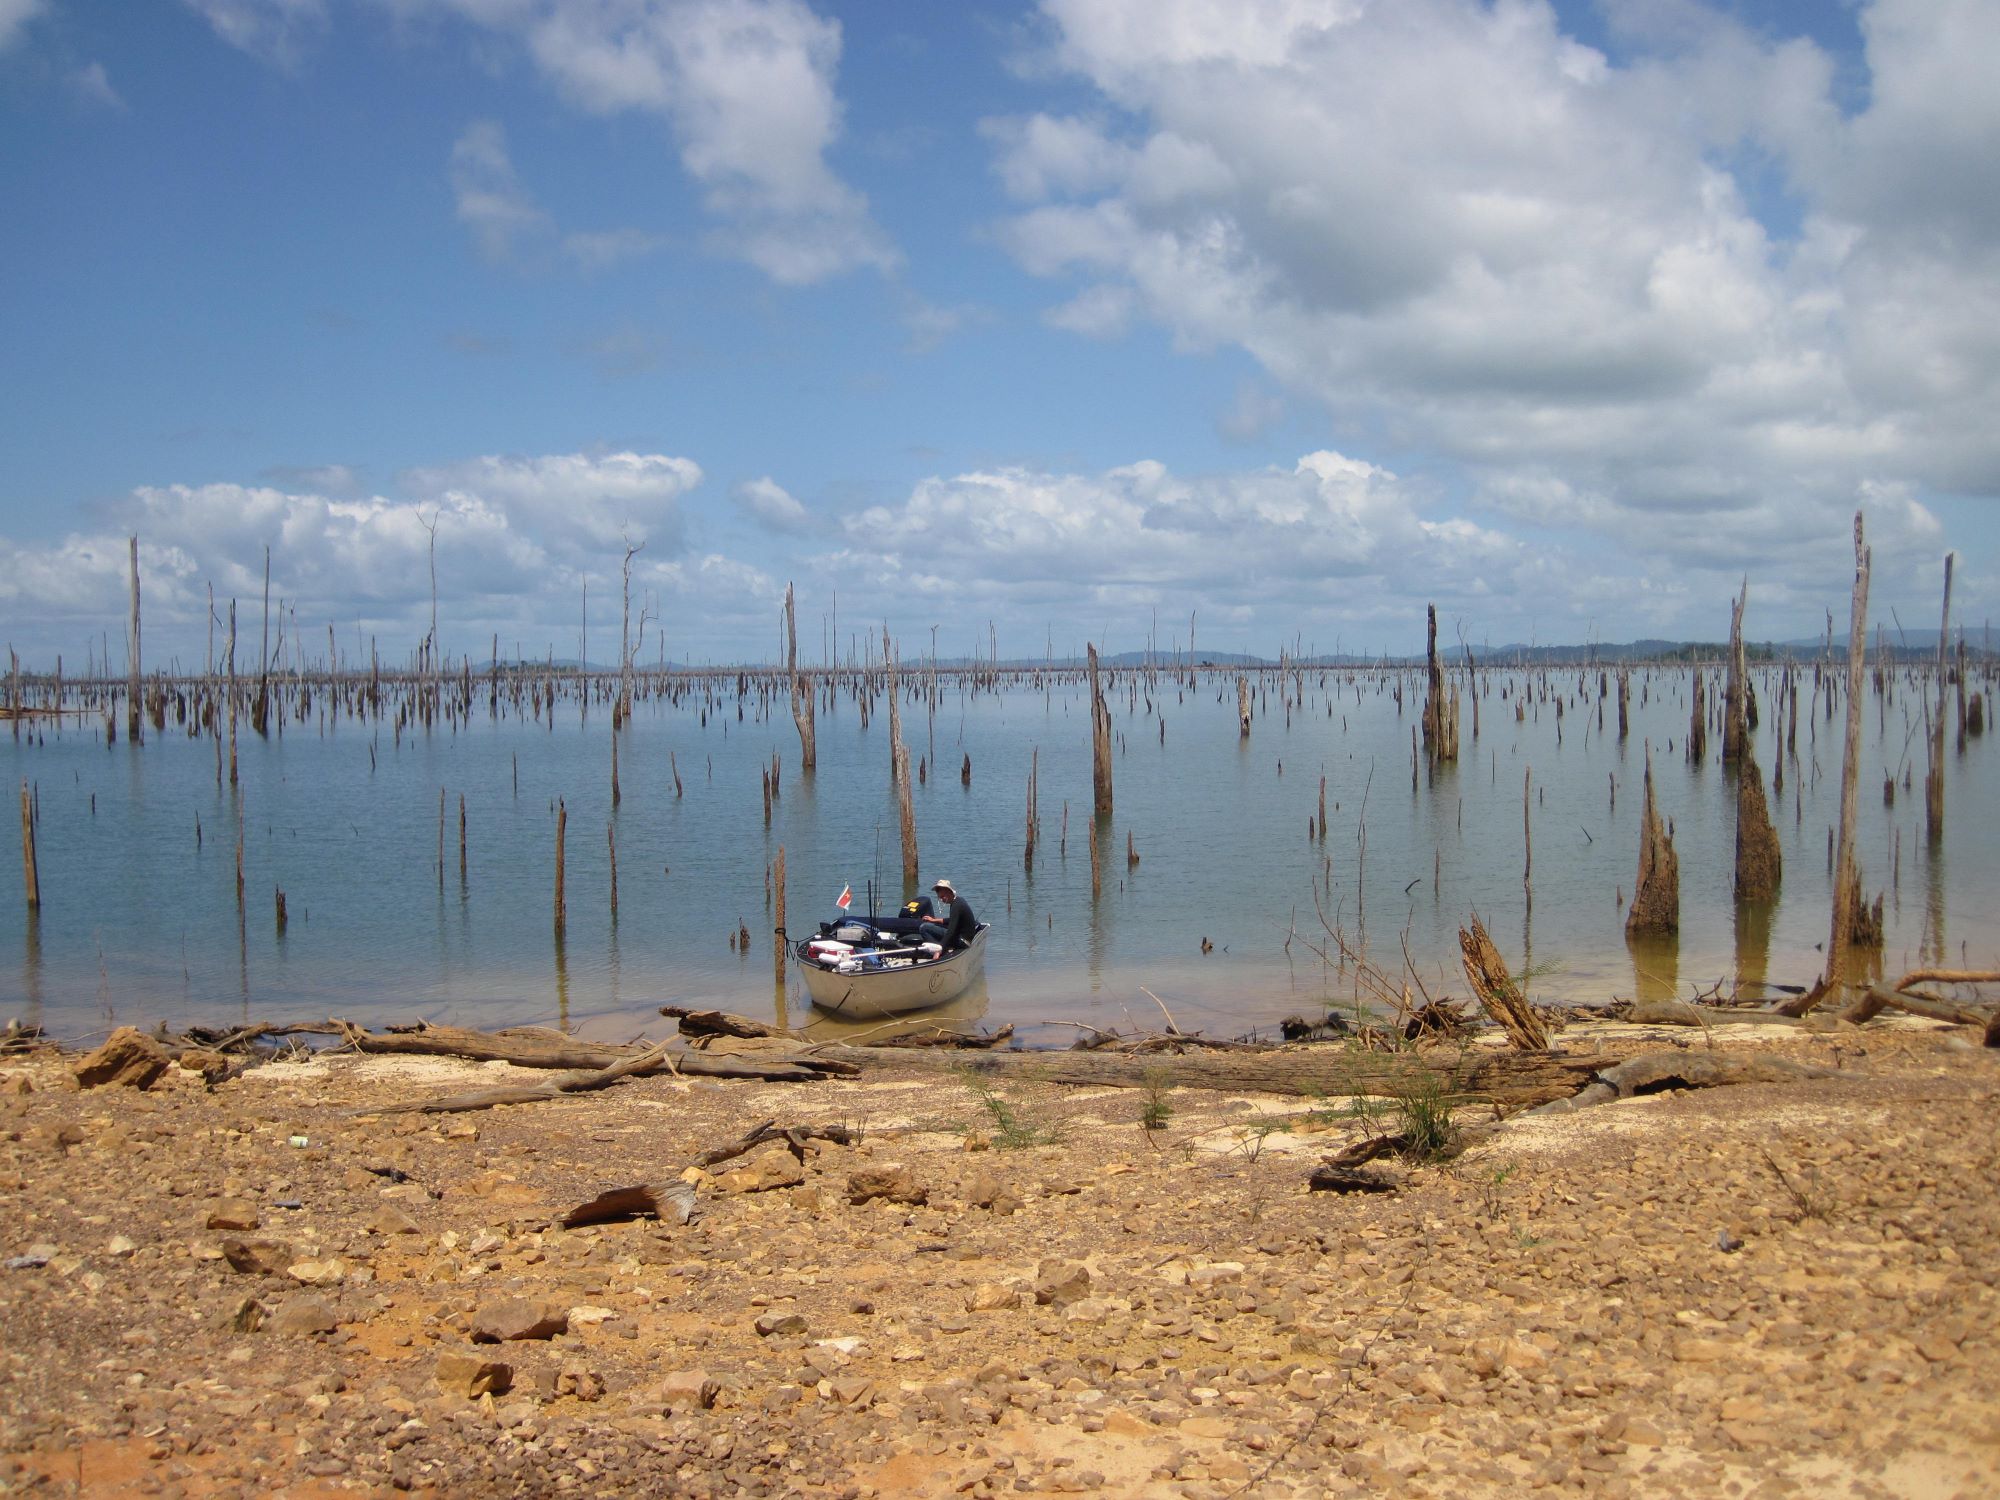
(260, 710)
(133, 729)
(562, 827)
(231, 688)
(1934, 777)
(1028, 850)
(1846, 877)
(802, 703)
(1656, 898)
(1242, 707)
(778, 932)
(1100, 743)
(1697, 735)
(1759, 859)
(906, 816)
(1732, 691)
(1440, 712)
(31, 880)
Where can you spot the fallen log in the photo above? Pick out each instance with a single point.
(1877, 998)
(943, 1036)
(1684, 1013)
(1498, 995)
(653, 1059)
(1471, 1075)
(675, 1198)
(1932, 1007)
(533, 1047)
(1665, 1072)
(695, 1023)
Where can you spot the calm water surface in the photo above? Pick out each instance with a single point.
(139, 920)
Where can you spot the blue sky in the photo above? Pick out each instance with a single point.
(1295, 314)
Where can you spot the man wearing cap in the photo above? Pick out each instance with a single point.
(958, 925)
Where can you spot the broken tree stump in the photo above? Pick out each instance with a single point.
(1498, 995)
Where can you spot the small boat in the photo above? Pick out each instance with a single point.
(866, 967)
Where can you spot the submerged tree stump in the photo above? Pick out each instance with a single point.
(1498, 995)
(1656, 899)
(1760, 863)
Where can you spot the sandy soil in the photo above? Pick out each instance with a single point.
(1757, 1291)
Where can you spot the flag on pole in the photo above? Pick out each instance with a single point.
(846, 898)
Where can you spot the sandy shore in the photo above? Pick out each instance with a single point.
(256, 1291)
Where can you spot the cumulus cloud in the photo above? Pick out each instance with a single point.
(768, 501)
(14, 18)
(747, 88)
(1459, 225)
(275, 31)
(92, 87)
(517, 538)
(576, 504)
(490, 199)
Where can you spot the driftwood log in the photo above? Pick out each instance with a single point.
(1472, 1075)
(1904, 996)
(695, 1023)
(533, 1047)
(674, 1198)
(1665, 1072)
(1498, 995)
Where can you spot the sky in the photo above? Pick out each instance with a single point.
(1027, 323)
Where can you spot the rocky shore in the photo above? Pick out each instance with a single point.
(254, 1287)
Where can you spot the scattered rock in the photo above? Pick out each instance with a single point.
(688, 1388)
(329, 1272)
(465, 1373)
(515, 1318)
(893, 1184)
(304, 1314)
(233, 1213)
(258, 1257)
(389, 1219)
(990, 1296)
(772, 1323)
(129, 1058)
(762, 1172)
(1061, 1282)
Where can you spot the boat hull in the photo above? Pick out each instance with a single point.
(895, 992)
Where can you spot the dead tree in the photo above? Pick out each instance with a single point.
(1733, 684)
(1100, 741)
(1656, 899)
(1697, 735)
(1498, 995)
(1242, 706)
(1846, 876)
(1760, 863)
(133, 730)
(1440, 711)
(1934, 777)
(802, 701)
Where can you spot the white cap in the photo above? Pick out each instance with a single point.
(944, 885)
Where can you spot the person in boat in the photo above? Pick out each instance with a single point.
(954, 930)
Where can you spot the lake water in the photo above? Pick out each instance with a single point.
(139, 921)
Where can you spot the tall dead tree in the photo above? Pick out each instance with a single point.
(31, 879)
(1028, 848)
(1846, 875)
(1242, 706)
(132, 726)
(1697, 735)
(906, 816)
(1760, 863)
(802, 701)
(1100, 741)
(1934, 776)
(260, 711)
(1733, 685)
(1656, 899)
(1440, 710)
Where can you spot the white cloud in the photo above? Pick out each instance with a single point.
(574, 503)
(601, 249)
(92, 86)
(491, 201)
(1458, 225)
(769, 502)
(748, 89)
(14, 18)
(1252, 412)
(276, 31)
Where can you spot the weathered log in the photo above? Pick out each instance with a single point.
(675, 1198)
(1875, 1000)
(695, 1023)
(1327, 1178)
(1470, 1076)
(1662, 1072)
(1498, 995)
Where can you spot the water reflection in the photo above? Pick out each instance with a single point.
(1655, 967)
(1753, 947)
(960, 1015)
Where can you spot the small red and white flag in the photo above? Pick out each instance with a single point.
(846, 897)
